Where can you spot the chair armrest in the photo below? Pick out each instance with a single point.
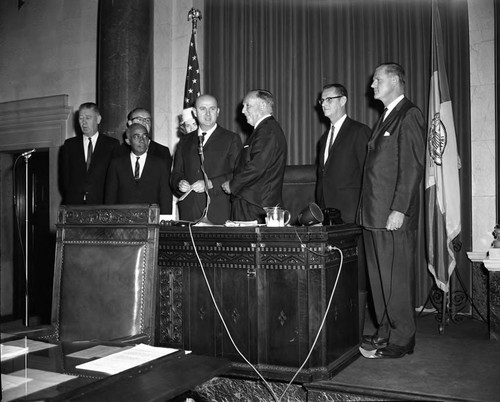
(133, 339)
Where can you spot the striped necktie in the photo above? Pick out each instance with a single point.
(137, 169)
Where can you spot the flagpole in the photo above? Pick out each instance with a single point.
(192, 88)
(194, 15)
(191, 92)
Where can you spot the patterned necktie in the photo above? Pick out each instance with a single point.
(137, 168)
(89, 153)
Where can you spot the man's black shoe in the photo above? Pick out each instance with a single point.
(392, 351)
(375, 342)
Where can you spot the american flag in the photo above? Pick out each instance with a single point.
(192, 88)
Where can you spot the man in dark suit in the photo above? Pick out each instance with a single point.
(142, 116)
(258, 178)
(85, 160)
(341, 155)
(388, 212)
(219, 149)
(138, 177)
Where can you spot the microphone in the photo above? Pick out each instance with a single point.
(204, 218)
(27, 153)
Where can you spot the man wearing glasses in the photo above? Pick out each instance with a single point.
(138, 177)
(341, 155)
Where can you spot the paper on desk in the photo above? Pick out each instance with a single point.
(12, 381)
(126, 359)
(9, 351)
(33, 380)
(240, 223)
(31, 344)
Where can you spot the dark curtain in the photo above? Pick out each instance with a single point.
(293, 48)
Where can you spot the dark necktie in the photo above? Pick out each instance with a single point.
(89, 153)
(380, 120)
(384, 114)
(203, 138)
(136, 171)
(332, 138)
(330, 142)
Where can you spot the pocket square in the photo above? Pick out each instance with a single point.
(387, 134)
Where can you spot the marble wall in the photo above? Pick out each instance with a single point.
(482, 92)
(48, 48)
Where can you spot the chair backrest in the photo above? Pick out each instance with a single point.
(105, 274)
(299, 186)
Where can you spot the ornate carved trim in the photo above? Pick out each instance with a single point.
(108, 215)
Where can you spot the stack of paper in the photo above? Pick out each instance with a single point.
(126, 359)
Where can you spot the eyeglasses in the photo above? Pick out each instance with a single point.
(328, 99)
(143, 119)
(140, 137)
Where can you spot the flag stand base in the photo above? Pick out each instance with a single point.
(449, 305)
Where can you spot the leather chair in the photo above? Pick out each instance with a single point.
(105, 276)
(299, 189)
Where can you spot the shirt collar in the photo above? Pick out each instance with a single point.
(339, 122)
(262, 118)
(393, 104)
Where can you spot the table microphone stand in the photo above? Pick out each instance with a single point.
(27, 156)
(204, 218)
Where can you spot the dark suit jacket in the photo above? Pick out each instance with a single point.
(258, 177)
(79, 185)
(339, 179)
(220, 151)
(154, 148)
(151, 188)
(394, 167)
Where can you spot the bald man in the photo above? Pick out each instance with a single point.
(220, 149)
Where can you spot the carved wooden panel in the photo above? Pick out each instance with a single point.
(271, 286)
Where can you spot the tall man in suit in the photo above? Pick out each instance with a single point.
(341, 155)
(220, 148)
(388, 212)
(138, 177)
(85, 160)
(142, 116)
(258, 178)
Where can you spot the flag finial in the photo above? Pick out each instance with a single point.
(194, 15)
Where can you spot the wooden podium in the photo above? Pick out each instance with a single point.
(272, 286)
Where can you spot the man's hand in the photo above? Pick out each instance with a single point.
(198, 186)
(184, 186)
(395, 220)
(226, 188)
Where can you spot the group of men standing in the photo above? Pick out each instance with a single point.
(98, 170)
(371, 176)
